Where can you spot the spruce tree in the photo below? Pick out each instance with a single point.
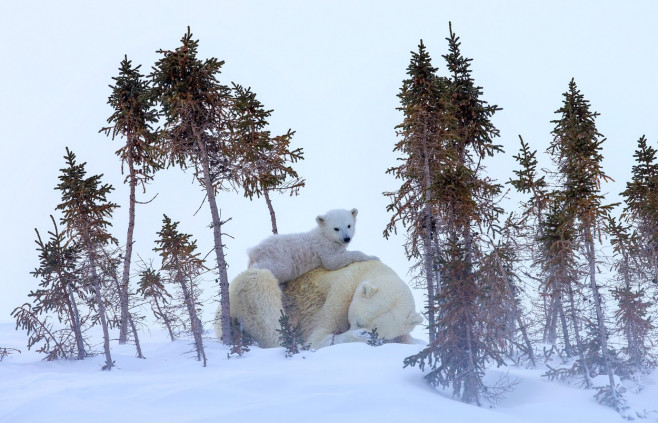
(264, 160)
(531, 227)
(290, 336)
(641, 201)
(85, 215)
(423, 136)
(633, 311)
(241, 340)
(576, 150)
(152, 289)
(183, 266)
(463, 204)
(636, 246)
(60, 272)
(196, 108)
(132, 119)
(471, 201)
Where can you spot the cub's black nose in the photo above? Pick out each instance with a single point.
(346, 240)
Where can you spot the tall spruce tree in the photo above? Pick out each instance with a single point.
(633, 311)
(463, 205)
(641, 201)
(424, 133)
(85, 215)
(576, 149)
(183, 265)
(636, 246)
(265, 160)
(132, 119)
(197, 107)
(471, 201)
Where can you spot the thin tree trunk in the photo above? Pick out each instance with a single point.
(524, 335)
(194, 321)
(550, 330)
(568, 349)
(134, 329)
(124, 300)
(219, 246)
(471, 388)
(123, 289)
(579, 344)
(603, 335)
(429, 257)
(266, 194)
(429, 275)
(77, 330)
(166, 320)
(101, 309)
(632, 339)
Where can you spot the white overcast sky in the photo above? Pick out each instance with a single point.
(331, 71)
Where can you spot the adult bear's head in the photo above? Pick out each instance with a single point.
(383, 302)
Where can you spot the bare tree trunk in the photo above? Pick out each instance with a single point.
(124, 300)
(266, 194)
(429, 275)
(429, 257)
(568, 349)
(579, 344)
(524, 335)
(219, 246)
(471, 389)
(165, 318)
(134, 329)
(123, 289)
(550, 330)
(77, 330)
(101, 309)
(603, 333)
(197, 328)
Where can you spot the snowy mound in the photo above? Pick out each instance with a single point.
(346, 383)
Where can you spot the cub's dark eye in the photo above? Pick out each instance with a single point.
(349, 226)
(336, 229)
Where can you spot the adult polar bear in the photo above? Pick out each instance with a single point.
(330, 307)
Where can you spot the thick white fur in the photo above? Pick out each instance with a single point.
(292, 255)
(331, 307)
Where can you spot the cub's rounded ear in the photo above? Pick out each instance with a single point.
(367, 290)
(354, 212)
(321, 220)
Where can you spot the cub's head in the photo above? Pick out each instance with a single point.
(338, 225)
(385, 304)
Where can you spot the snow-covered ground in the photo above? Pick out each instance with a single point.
(342, 383)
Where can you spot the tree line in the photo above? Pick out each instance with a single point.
(180, 115)
(500, 286)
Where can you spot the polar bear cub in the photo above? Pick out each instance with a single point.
(290, 256)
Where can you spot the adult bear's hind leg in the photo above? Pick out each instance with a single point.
(255, 300)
